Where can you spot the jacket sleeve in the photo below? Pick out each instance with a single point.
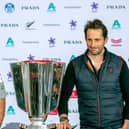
(124, 81)
(66, 91)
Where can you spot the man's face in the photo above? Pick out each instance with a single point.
(95, 41)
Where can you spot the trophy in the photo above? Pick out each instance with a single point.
(37, 85)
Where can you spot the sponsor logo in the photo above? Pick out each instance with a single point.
(52, 42)
(10, 93)
(74, 94)
(50, 25)
(116, 7)
(9, 25)
(72, 7)
(73, 111)
(73, 106)
(110, 70)
(116, 42)
(73, 24)
(11, 111)
(9, 76)
(53, 112)
(72, 42)
(10, 42)
(51, 8)
(72, 57)
(94, 7)
(116, 25)
(9, 8)
(26, 7)
(29, 25)
(9, 59)
(30, 42)
(52, 59)
(30, 57)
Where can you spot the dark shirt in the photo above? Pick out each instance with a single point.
(69, 81)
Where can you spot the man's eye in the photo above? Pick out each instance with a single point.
(97, 39)
(89, 39)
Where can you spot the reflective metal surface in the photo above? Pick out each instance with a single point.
(37, 85)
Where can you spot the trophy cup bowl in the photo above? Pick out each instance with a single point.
(37, 85)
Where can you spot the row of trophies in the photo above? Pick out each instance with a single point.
(38, 86)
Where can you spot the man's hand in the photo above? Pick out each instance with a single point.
(125, 125)
(64, 125)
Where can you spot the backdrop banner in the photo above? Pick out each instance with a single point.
(54, 30)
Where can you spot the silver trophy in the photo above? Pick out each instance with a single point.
(37, 85)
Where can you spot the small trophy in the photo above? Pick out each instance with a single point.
(37, 85)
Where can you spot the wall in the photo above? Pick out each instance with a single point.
(52, 29)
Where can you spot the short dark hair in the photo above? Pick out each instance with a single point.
(96, 24)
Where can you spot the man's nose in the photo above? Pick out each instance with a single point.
(93, 43)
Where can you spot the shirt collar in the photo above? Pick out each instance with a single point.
(105, 52)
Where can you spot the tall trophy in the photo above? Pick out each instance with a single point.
(37, 85)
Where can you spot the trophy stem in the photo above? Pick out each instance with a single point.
(37, 123)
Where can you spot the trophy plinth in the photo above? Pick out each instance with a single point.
(37, 85)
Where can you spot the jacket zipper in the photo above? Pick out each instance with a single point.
(98, 99)
(99, 123)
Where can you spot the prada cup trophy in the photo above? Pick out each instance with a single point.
(37, 85)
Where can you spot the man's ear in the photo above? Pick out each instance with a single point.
(106, 40)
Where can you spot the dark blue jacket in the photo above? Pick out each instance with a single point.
(100, 99)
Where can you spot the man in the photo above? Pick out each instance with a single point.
(102, 82)
(2, 100)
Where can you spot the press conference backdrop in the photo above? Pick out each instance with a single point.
(54, 30)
